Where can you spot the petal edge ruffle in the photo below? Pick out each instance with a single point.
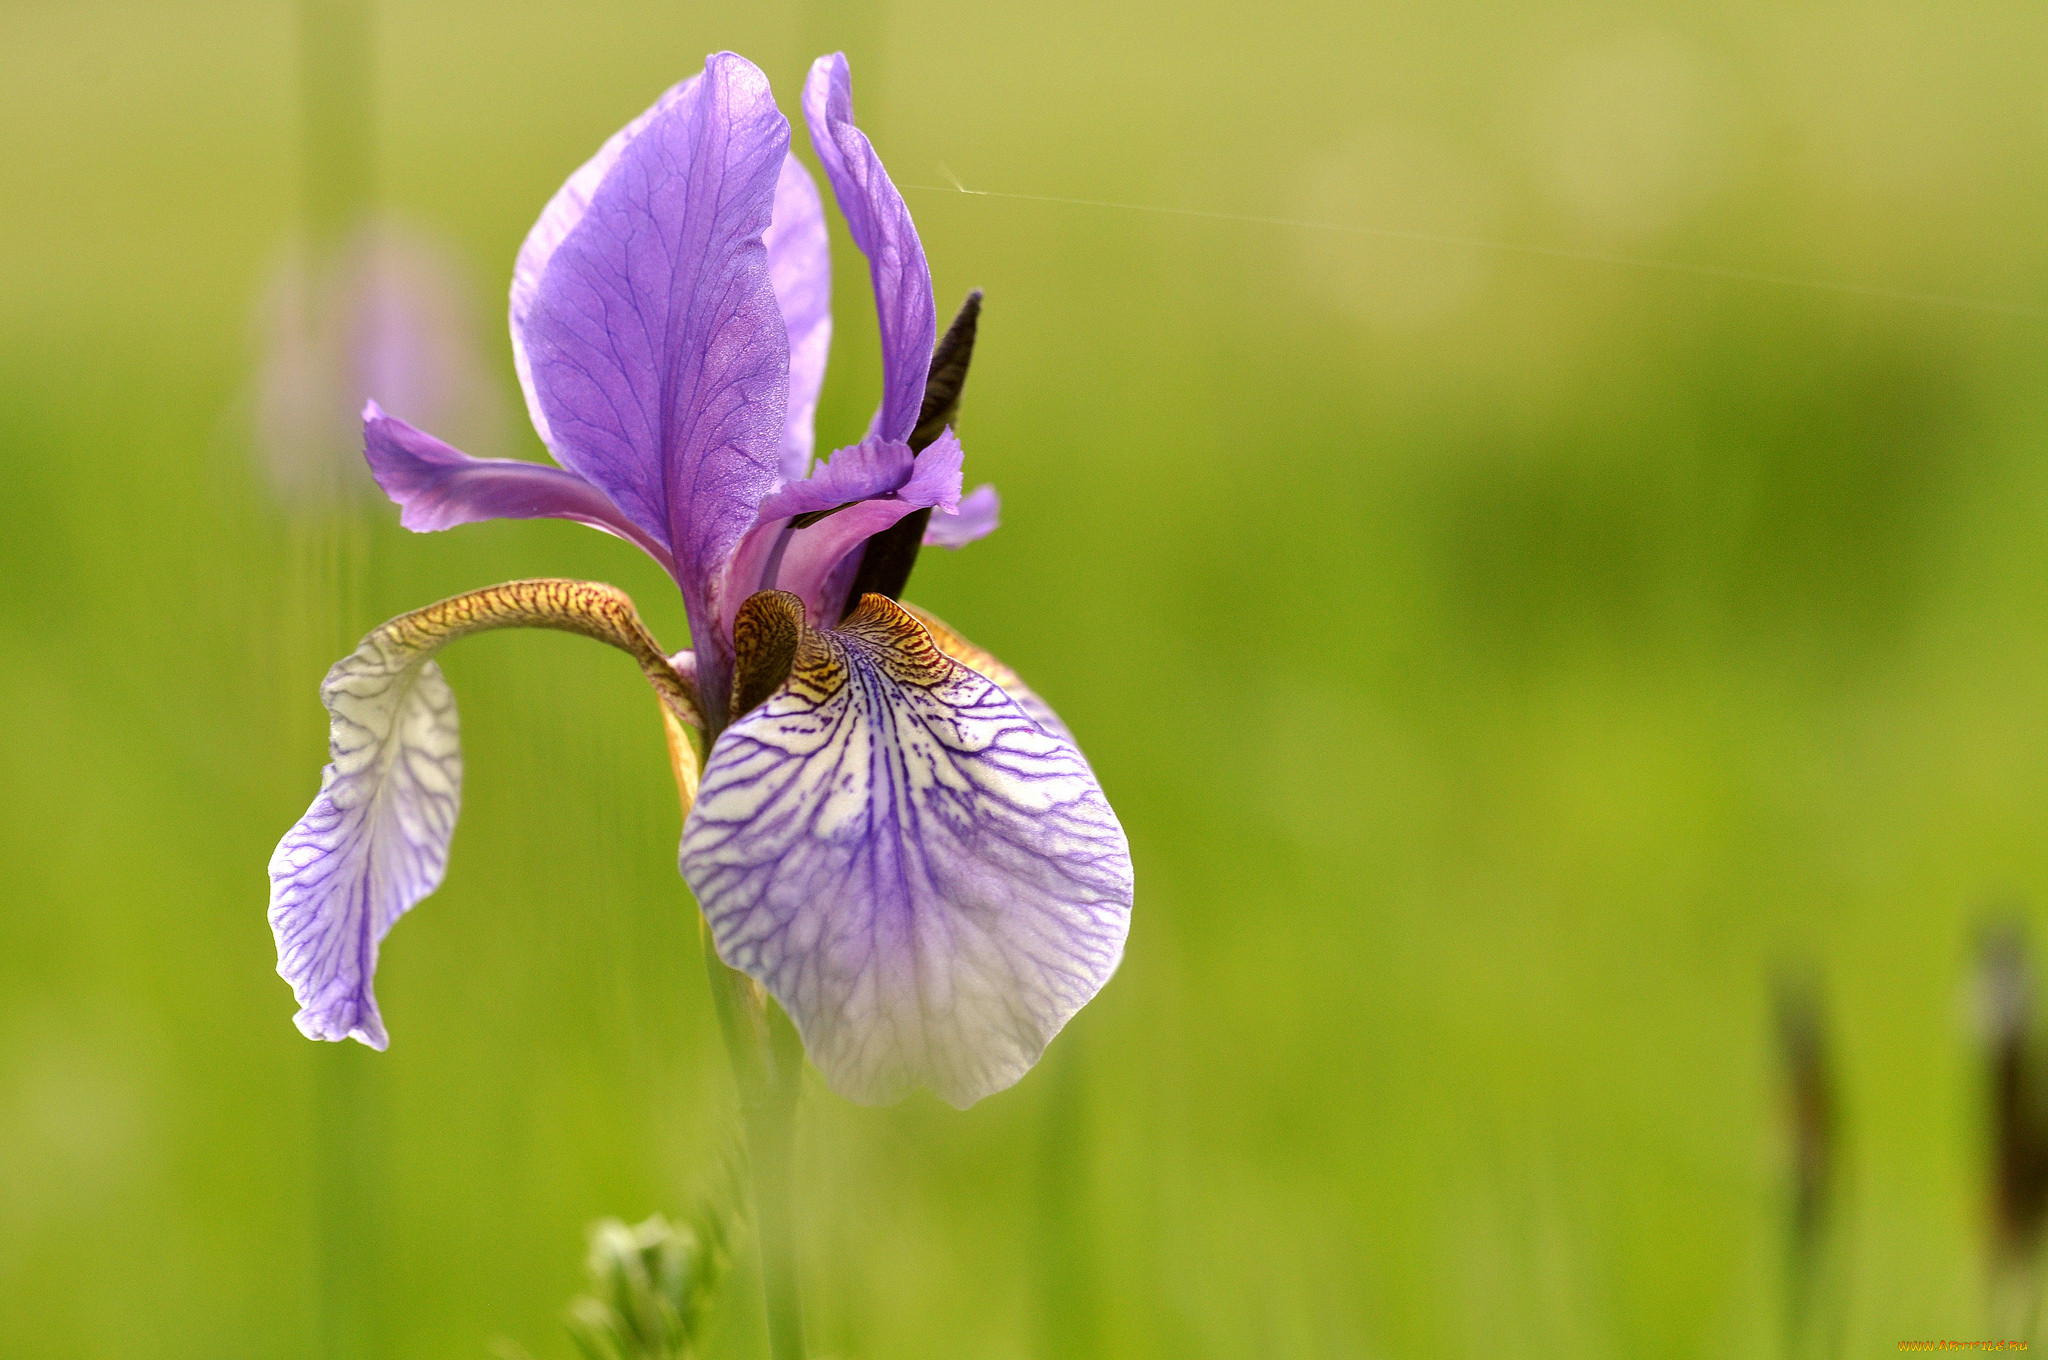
(375, 840)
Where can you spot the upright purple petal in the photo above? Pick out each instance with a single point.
(926, 879)
(561, 215)
(800, 263)
(437, 486)
(656, 349)
(881, 227)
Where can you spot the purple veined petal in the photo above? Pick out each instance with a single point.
(928, 881)
(878, 483)
(556, 221)
(437, 486)
(376, 839)
(880, 224)
(936, 479)
(979, 515)
(656, 348)
(800, 264)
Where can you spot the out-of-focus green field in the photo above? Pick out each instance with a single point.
(1502, 663)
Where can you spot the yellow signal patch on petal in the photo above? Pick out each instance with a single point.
(988, 665)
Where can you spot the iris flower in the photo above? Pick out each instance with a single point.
(890, 833)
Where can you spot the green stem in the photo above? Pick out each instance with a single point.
(767, 1064)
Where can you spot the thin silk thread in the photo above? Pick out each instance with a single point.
(1706, 271)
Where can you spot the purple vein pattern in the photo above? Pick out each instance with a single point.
(926, 879)
(375, 840)
(894, 835)
(654, 341)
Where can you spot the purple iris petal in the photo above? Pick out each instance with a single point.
(873, 467)
(979, 516)
(376, 839)
(928, 881)
(656, 349)
(900, 842)
(880, 223)
(860, 491)
(800, 263)
(556, 221)
(438, 487)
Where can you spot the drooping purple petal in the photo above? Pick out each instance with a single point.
(927, 880)
(375, 840)
(800, 263)
(438, 487)
(880, 224)
(656, 348)
(876, 483)
(979, 516)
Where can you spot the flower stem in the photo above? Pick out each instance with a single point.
(767, 1064)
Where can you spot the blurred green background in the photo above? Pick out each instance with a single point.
(1501, 663)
